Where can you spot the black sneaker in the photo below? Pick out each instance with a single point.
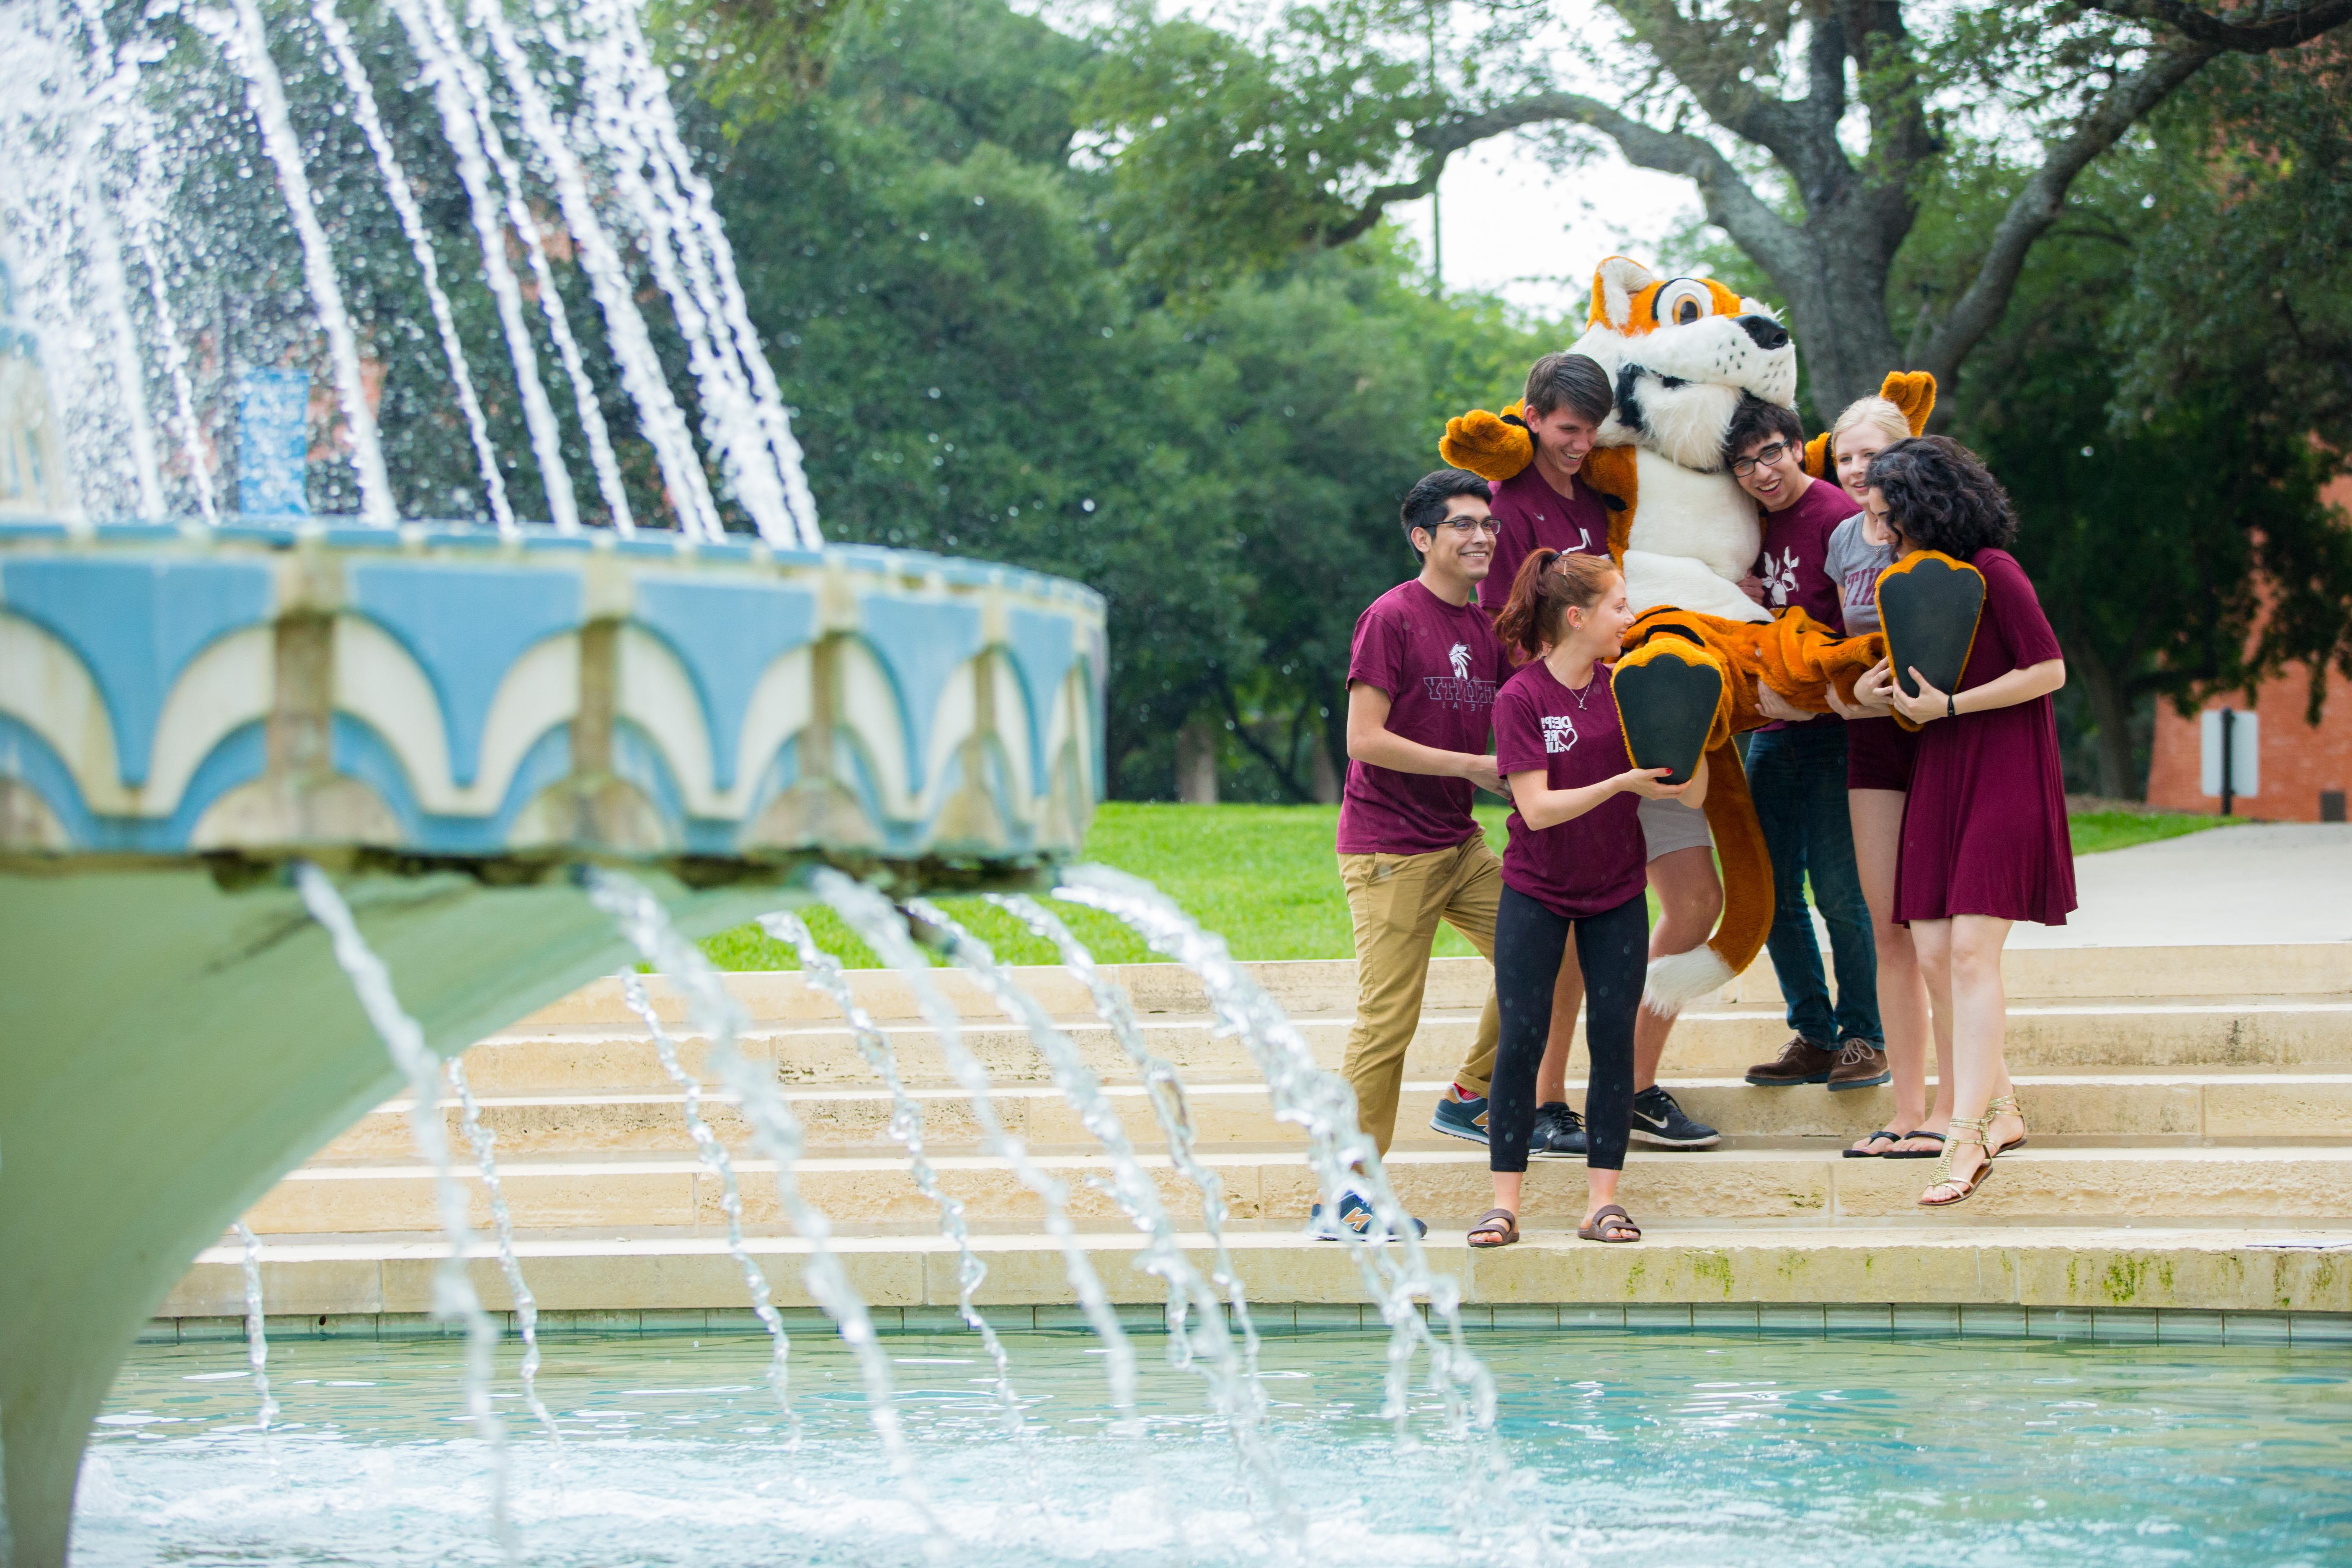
(1658, 1120)
(1558, 1134)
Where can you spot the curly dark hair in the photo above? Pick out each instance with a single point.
(1940, 496)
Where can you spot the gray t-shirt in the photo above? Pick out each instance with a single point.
(1854, 563)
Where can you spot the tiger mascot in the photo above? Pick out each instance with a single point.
(1681, 354)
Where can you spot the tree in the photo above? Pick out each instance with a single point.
(1808, 129)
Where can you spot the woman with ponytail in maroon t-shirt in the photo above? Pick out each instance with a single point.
(1576, 868)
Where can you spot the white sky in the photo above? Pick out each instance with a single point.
(1515, 229)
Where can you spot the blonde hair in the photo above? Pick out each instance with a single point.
(1890, 421)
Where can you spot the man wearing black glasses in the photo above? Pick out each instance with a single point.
(1796, 771)
(1422, 677)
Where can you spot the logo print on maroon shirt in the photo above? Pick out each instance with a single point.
(1459, 690)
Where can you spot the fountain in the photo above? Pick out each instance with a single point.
(443, 717)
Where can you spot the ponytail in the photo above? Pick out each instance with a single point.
(1548, 583)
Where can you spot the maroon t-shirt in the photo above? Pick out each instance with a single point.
(1440, 665)
(1591, 864)
(1796, 550)
(1537, 517)
(1795, 563)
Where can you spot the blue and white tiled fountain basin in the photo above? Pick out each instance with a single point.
(441, 694)
(448, 722)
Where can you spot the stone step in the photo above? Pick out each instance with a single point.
(1325, 986)
(2114, 1034)
(1920, 1279)
(2046, 1182)
(2230, 1107)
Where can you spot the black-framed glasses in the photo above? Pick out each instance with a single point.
(1743, 466)
(1462, 526)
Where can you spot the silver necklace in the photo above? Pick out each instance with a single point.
(1584, 695)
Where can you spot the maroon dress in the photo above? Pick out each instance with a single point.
(1984, 828)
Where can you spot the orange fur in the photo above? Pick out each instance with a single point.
(1912, 390)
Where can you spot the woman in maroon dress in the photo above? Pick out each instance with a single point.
(1984, 826)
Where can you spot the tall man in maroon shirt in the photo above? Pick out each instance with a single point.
(1796, 775)
(1422, 677)
(1544, 506)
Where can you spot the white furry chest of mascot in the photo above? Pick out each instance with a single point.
(1682, 355)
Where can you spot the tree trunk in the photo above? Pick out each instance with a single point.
(2111, 712)
(1838, 311)
(1327, 778)
(1196, 761)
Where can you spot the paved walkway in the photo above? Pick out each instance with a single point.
(2260, 883)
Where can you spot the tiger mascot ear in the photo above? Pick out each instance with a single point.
(1912, 390)
(1494, 446)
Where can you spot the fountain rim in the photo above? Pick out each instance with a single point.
(544, 539)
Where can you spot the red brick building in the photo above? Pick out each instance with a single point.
(2302, 772)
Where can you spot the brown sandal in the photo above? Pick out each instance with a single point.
(1500, 1224)
(1602, 1226)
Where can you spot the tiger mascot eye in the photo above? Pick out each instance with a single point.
(1683, 354)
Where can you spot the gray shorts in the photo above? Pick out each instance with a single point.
(1669, 824)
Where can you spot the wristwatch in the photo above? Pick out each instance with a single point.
(1951, 708)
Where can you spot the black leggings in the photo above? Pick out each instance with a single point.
(1613, 947)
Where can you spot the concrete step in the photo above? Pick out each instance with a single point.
(1325, 986)
(1915, 1278)
(2046, 1182)
(2246, 1106)
(2118, 1034)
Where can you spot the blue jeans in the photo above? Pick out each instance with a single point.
(1798, 778)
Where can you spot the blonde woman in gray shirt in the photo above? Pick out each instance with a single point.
(1878, 777)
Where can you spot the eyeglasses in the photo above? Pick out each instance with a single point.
(1743, 466)
(1463, 527)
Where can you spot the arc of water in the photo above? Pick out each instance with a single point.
(493, 182)
(716, 1160)
(248, 48)
(871, 916)
(144, 218)
(657, 411)
(628, 97)
(1164, 1087)
(140, 212)
(824, 970)
(1235, 1395)
(776, 1133)
(649, 82)
(257, 1330)
(1395, 1274)
(107, 271)
(246, 45)
(420, 245)
(526, 1305)
(454, 1300)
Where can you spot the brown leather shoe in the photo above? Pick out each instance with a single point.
(1859, 1065)
(1800, 1062)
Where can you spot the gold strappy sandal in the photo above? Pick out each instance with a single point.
(2004, 1105)
(1964, 1130)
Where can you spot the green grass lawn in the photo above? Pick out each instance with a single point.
(1261, 877)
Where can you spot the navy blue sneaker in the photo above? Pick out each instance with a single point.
(1658, 1120)
(1464, 1118)
(1357, 1220)
(1558, 1134)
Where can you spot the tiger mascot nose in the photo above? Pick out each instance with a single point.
(1766, 332)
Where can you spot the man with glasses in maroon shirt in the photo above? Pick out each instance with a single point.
(1422, 677)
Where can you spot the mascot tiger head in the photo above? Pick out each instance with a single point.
(1683, 352)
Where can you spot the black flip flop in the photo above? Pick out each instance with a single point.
(1882, 1136)
(1916, 1153)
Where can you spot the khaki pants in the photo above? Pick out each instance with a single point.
(1396, 901)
